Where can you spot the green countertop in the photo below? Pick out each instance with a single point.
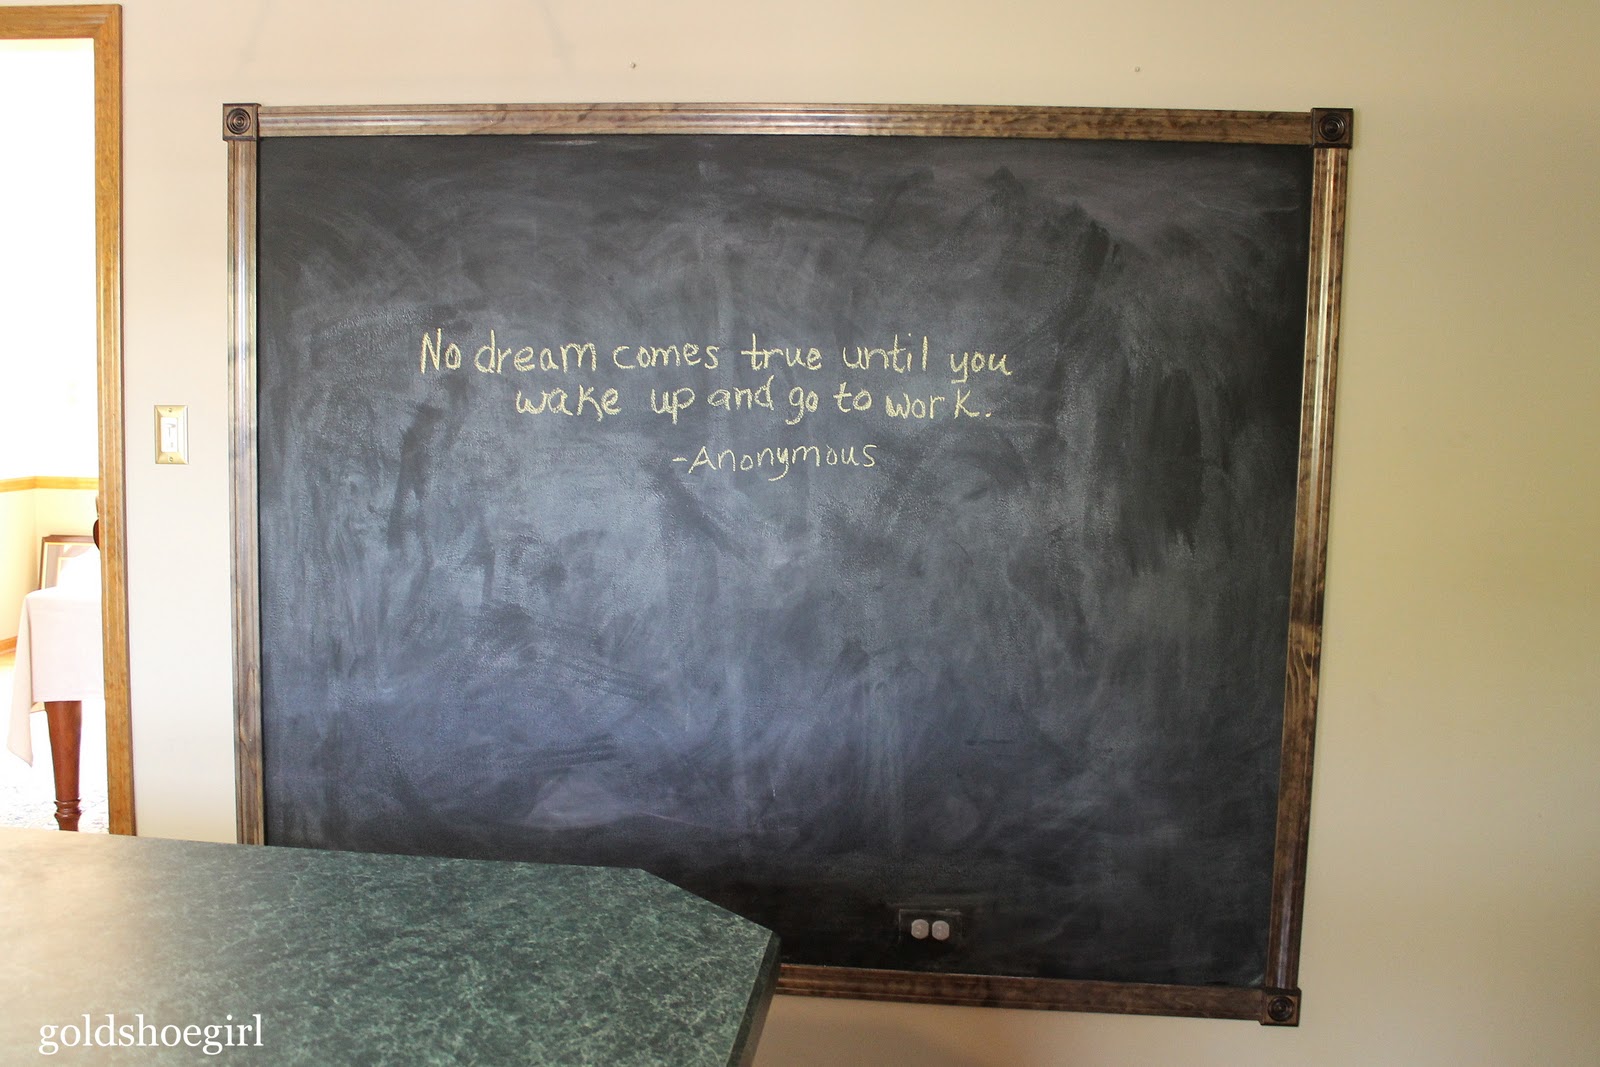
(358, 958)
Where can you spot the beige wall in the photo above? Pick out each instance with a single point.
(47, 343)
(1453, 912)
(19, 557)
(47, 316)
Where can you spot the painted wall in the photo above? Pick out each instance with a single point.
(19, 570)
(1453, 912)
(47, 300)
(63, 511)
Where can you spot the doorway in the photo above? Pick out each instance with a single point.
(101, 27)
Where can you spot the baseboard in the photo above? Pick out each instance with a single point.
(47, 481)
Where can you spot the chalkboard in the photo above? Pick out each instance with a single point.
(891, 538)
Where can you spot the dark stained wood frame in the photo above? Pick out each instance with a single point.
(1326, 130)
(102, 25)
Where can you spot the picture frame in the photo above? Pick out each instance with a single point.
(55, 550)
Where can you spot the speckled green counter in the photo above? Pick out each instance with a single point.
(295, 956)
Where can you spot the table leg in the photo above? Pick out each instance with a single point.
(66, 737)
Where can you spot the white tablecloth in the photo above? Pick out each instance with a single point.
(58, 654)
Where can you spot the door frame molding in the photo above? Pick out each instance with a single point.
(102, 24)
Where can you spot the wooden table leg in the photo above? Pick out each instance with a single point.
(66, 737)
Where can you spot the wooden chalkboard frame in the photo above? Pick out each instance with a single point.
(1327, 131)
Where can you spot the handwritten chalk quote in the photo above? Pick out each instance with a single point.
(907, 380)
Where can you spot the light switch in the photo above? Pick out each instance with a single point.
(172, 433)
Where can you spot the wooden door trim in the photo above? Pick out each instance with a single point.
(102, 24)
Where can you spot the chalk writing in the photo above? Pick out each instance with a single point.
(431, 349)
(687, 382)
(743, 399)
(671, 401)
(491, 358)
(560, 402)
(634, 357)
(976, 363)
(780, 458)
(761, 358)
(912, 407)
(894, 358)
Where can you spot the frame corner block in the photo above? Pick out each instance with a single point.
(241, 122)
(1332, 127)
(1280, 1007)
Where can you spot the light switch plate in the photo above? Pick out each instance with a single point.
(172, 433)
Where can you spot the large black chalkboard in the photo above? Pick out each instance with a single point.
(849, 529)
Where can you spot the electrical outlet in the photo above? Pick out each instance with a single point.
(932, 929)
